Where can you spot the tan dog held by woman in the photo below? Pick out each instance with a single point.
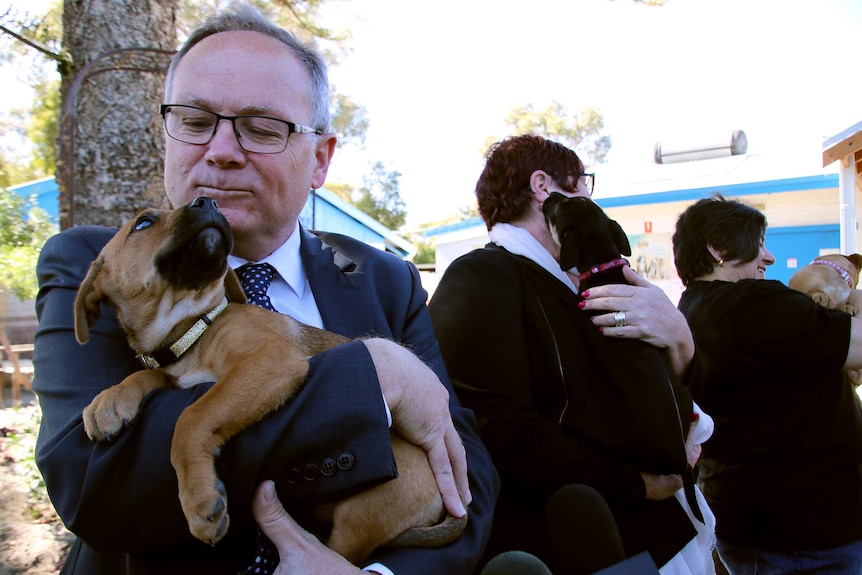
(829, 280)
(185, 315)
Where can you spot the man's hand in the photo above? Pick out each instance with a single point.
(299, 552)
(420, 414)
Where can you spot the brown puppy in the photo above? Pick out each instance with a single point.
(828, 280)
(166, 274)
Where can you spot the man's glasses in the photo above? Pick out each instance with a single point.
(588, 181)
(258, 134)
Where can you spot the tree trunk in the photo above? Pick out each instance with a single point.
(111, 144)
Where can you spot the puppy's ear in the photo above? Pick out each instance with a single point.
(233, 288)
(856, 260)
(87, 301)
(567, 258)
(621, 240)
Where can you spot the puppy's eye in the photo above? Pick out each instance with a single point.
(143, 223)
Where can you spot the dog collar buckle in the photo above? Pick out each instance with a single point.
(168, 355)
(845, 275)
(149, 361)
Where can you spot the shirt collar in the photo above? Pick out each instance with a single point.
(286, 260)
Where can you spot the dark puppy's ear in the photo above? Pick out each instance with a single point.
(621, 240)
(567, 257)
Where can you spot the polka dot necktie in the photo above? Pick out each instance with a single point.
(255, 280)
(265, 560)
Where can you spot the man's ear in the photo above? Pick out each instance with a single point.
(323, 156)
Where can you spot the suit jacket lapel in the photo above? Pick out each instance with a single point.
(340, 291)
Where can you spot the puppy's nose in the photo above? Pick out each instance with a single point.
(204, 203)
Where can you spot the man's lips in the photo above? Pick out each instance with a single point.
(211, 191)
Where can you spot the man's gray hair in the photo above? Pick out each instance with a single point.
(240, 16)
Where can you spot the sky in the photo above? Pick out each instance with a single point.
(437, 79)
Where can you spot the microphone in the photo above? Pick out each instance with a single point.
(583, 534)
(515, 563)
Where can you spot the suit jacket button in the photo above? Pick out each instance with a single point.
(311, 472)
(328, 467)
(346, 461)
(293, 475)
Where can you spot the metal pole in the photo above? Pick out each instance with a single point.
(847, 194)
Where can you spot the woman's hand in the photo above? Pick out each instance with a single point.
(646, 314)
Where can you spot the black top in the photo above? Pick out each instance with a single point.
(538, 375)
(782, 470)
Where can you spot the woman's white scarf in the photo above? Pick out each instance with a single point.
(520, 242)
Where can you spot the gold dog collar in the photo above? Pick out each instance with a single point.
(168, 355)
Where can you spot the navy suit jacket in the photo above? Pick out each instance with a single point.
(120, 497)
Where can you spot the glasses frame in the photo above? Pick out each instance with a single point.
(589, 182)
(292, 127)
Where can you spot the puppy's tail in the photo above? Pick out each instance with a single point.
(437, 535)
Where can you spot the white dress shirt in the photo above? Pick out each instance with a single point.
(289, 291)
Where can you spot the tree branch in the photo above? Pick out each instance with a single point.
(56, 57)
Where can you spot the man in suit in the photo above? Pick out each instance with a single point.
(247, 123)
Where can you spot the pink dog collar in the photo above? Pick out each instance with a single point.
(845, 275)
(604, 267)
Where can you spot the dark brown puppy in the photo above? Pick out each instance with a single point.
(185, 315)
(658, 410)
(588, 239)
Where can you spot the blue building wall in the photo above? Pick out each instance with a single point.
(42, 194)
(799, 245)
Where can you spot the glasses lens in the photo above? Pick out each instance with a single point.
(261, 134)
(190, 125)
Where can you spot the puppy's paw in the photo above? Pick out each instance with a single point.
(109, 412)
(851, 309)
(206, 512)
(824, 300)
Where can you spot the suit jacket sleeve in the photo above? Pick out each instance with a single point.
(122, 495)
(461, 556)
(398, 308)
